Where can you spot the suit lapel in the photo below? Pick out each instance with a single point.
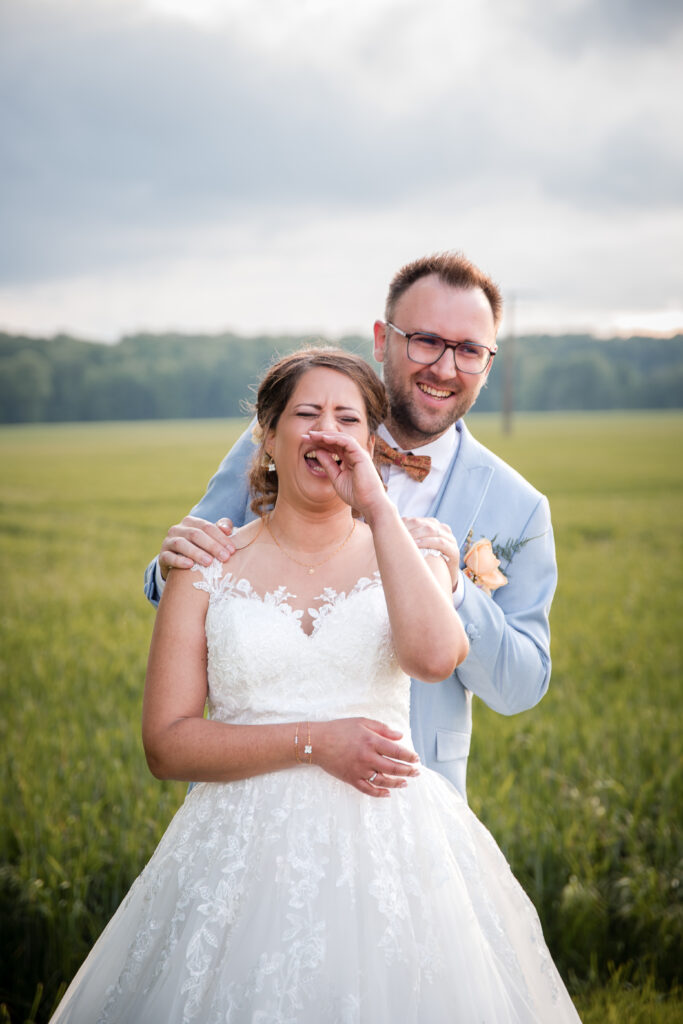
(464, 488)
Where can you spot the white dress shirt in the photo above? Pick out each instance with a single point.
(413, 498)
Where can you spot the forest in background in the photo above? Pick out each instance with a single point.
(183, 376)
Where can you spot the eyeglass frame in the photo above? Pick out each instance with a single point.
(453, 345)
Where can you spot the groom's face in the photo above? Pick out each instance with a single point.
(425, 400)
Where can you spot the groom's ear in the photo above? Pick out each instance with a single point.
(488, 370)
(380, 330)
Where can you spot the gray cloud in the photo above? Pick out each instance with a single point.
(123, 132)
(630, 169)
(107, 128)
(611, 24)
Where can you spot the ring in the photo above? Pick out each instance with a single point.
(373, 777)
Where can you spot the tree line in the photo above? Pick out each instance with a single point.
(175, 376)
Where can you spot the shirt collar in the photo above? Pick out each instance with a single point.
(440, 451)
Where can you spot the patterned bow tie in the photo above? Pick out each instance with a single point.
(416, 466)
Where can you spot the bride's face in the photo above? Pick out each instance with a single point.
(323, 399)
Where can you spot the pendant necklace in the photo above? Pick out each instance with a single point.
(307, 565)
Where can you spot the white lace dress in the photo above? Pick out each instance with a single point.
(291, 898)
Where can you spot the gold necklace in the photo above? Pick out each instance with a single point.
(307, 565)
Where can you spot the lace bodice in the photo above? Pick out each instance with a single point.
(263, 666)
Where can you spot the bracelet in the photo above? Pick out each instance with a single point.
(308, 748)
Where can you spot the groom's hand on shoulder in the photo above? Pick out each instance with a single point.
(428, 532)
(195, 540)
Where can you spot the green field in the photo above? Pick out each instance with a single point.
(584, 793)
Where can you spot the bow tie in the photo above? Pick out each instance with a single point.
(416, 466)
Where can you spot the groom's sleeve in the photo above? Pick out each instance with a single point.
(227, 495)
(508, 665)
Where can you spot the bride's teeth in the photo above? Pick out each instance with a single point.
(313, 456)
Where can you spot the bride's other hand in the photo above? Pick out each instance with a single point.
(429, 637)
(355, 477)
(356, 749)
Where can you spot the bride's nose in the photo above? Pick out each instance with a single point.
(327, 421)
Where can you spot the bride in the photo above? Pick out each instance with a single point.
(315, 874)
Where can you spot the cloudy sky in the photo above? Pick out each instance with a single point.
(267, 164)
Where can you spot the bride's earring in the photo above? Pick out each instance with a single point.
(268, 461)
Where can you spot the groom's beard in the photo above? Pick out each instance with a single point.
(409, 419)
(418, 426)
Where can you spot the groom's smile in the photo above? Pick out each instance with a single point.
(428, 389)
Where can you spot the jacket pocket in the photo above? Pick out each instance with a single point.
(451, 745)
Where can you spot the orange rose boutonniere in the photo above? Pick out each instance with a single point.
(481, 565)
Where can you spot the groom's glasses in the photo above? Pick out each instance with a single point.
(427, 349)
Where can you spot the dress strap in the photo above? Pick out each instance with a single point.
(212, 581)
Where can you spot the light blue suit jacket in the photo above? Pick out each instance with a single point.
(508, 665)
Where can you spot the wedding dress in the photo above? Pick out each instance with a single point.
(292, 898)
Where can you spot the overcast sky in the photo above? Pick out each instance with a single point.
(268, 164)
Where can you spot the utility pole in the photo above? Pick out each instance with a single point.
(508, 347)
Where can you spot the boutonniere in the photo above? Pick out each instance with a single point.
(481, 564)
(482, 558)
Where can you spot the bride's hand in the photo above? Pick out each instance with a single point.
(355, 750)
(354, 477)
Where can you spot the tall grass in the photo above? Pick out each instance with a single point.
(583, 793)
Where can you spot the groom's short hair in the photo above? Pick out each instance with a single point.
(454, 269)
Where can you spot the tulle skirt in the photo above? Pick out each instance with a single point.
(291, 898)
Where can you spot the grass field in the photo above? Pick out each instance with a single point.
(584, 793)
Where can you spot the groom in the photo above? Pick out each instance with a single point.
(437, 343)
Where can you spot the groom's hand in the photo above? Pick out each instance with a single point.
(194, 541)
(432, 533)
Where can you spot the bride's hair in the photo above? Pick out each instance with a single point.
(275, 391)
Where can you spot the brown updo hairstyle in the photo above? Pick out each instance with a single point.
(276, 389)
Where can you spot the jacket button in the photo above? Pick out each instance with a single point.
(472, 632)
